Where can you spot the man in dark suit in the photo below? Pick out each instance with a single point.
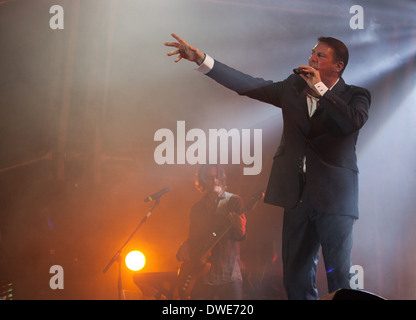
(314, 175)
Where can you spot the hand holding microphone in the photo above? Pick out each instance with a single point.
(299, 71)
(309, 74)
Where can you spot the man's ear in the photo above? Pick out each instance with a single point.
(339, 66)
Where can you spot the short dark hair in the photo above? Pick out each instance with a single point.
(200, 181)
(340, 50)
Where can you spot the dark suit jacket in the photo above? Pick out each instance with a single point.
(327, 139)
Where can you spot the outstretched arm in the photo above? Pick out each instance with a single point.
(230, 78)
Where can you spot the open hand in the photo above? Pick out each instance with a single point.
(184, 50)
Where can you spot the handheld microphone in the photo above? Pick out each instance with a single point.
(299, 71)
(157, 195)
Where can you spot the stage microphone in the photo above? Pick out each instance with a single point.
(157, 195)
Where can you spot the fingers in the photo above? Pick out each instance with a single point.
(172, 53)
(184, 50)
(179, 45)
(310, 75)
(308, 69)
(180, 40)
(179, 51)
(176, 52)
(172, 44)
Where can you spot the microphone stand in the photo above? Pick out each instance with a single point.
(117, 256)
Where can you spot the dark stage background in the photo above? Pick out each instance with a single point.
(79, 108)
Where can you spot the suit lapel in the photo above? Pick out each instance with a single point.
(300, 88)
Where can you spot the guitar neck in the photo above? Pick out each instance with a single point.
(214, 238)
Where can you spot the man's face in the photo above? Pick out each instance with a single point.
(213, 184)
(322, 59)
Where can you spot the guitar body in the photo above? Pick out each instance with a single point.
(188, 274)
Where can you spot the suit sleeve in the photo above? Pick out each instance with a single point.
(351, 113)
(243, 84)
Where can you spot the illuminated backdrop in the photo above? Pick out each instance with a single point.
(82, 98)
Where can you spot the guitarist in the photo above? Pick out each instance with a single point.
(217, 208)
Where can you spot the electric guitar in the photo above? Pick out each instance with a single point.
(191, 271)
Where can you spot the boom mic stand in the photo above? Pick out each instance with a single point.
(117, 257)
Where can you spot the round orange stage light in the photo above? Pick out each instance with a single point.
(135, 260)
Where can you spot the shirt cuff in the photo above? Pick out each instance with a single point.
(321, 88)
(206, 66)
